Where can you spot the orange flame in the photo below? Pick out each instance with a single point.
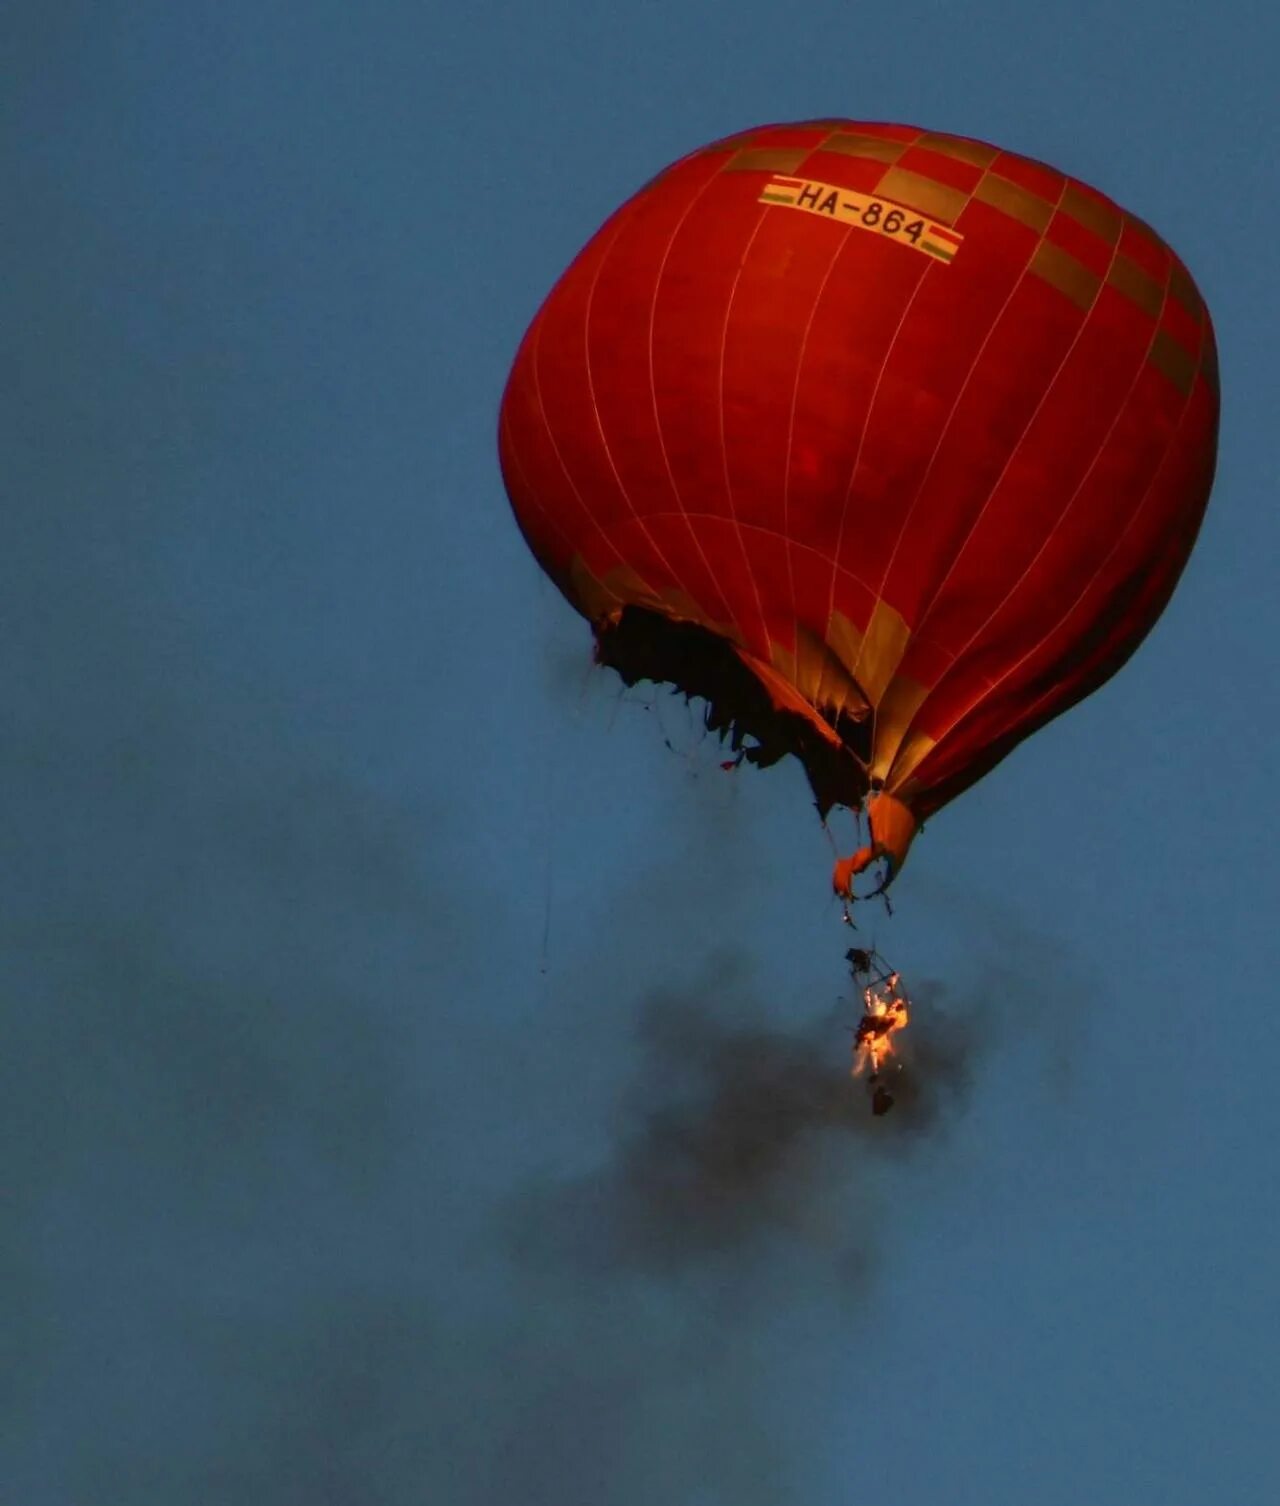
(886, 1012)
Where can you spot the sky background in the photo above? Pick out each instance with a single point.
(360, 945)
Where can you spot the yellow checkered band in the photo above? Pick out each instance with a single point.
(976, 153)
(1169, 358)
(873, 148)
(769, 159)
(1060, 269)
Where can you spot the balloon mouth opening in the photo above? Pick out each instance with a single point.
(747, 702)
(892, 825)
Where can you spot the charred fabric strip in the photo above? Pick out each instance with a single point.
(645, 645)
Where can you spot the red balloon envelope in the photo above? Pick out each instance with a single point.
(890, 444)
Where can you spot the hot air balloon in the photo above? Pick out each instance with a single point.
(890, 444)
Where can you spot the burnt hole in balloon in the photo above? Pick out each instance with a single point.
(645, 645)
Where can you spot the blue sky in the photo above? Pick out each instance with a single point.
(337, 880)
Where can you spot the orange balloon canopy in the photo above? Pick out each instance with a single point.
(890, 444)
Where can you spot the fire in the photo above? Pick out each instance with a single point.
(885, 1013)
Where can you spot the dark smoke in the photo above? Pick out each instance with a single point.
(733, 1132)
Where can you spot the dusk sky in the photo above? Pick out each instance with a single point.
(366, 951)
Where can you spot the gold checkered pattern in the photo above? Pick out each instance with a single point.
(873, 148)
(1049, 262)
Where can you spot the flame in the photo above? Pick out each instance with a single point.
(886, 1011)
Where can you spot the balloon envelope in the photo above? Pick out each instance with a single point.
(892, 444)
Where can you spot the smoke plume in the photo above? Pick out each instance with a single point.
(733, 1132)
